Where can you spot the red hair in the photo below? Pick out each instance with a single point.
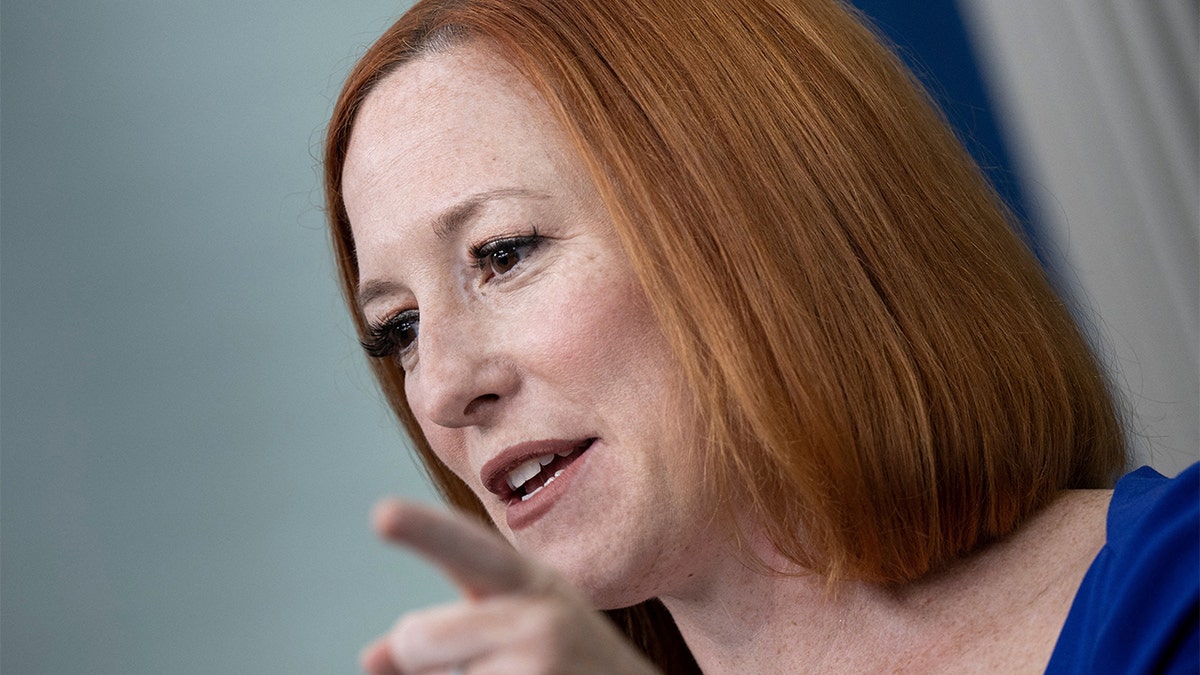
(888, 380)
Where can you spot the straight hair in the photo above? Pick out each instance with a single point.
(886, 378)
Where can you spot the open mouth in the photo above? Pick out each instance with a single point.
(532, 475)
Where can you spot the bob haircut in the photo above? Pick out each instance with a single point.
(887, 380)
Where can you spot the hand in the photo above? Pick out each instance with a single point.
(517, 616)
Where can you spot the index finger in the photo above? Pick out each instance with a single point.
(477, 559)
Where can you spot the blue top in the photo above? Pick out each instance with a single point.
(1138, 609)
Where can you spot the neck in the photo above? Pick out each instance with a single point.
(739, 618)
(1001, 606)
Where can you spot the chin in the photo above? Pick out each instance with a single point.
(606, 592)
(611, 578)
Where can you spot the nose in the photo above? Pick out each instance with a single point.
(461, 378)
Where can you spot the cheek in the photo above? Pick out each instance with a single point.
(595, 327)
(598, 345)
(448, 445)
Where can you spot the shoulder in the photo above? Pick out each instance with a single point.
(1137, 608)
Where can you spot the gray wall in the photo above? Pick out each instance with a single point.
(1100, 101)
(191, 441)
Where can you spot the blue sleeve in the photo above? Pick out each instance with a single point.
(1138, 608)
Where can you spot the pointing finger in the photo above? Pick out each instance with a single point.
(478, 561)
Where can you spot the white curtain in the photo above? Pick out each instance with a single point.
(1100, 102)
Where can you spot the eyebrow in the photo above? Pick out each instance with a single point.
(445, 226)
(452, 219)
(373, 289)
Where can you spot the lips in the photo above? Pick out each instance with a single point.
(523, 470)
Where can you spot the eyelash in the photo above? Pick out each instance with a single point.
(484, 254)
(387, 339)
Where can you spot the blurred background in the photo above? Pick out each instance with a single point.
(190, 441)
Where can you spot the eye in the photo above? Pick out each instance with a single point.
(504, 260)
(500, 256)
(392, 337)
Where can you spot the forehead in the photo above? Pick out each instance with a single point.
(442, 128)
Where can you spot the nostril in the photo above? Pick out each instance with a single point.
(480, 402)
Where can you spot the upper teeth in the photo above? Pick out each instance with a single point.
(530, 468)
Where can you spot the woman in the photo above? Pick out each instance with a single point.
(701, 306)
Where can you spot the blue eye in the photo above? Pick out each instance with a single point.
(392, 337)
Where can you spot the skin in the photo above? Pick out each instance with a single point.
(558, 342)
(562, 346)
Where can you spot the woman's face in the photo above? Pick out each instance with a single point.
(491, 272)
